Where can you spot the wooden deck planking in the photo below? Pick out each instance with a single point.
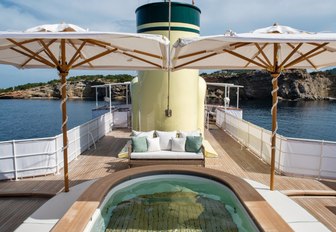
(322, 208)
(96, 163)
(17, 209)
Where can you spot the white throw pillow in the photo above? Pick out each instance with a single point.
(165, 139)
(184, 134)
(148, 134)
(178, 144)
(153, 144)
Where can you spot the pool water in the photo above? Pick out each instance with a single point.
(171, 203)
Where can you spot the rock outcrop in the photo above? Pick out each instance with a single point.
(293, 85)
(75, 90)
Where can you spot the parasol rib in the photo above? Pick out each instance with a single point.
(239, 44)
(139, 58)
(96, 42)
(234, 45)
(94, 57)
(109, 46)
(304, 56)
(262, 61)
(191, 54)
(198, 59)
(28, 41)
(147, 54)
(48, 52)
(256, 56)
(32, 58)
(291, 54)
(38, 52)
(32, 55)
(245, 58)
(316, 53)
(78, 54)
(9, 45)
(261, 49)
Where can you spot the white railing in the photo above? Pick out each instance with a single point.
(34, 157)
(300, 157)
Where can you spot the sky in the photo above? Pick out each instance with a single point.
(217, 17)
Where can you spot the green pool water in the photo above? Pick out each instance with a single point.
(171, 203)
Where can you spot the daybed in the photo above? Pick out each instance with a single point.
(166, 147)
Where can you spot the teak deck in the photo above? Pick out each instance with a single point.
(19, 199)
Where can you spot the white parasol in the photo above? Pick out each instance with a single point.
(273, 49)
(66, 46)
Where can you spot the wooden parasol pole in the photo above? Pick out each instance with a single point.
(63, 69)
(274, 125)
(65, 131)
(275, 75)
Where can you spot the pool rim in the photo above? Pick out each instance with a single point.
(82, 210)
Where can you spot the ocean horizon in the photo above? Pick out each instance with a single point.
(27, 119)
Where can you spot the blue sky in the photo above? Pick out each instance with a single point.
(217, 17)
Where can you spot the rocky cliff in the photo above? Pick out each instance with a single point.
(75, 90)
(293, 84)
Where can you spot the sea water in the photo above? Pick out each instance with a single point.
(296, 119)
(24, 119)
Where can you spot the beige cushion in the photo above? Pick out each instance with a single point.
(178, 144)
(165, 139)
(148, 134)
(153, 144)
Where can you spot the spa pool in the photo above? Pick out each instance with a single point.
(170, 198)
(171, 203)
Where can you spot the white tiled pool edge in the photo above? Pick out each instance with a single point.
(53, 210)
(49, 213)
(296, 216)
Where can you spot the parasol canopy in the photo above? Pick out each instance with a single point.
(255, 50)
(67, 46)
(39, 47)
(273, 48)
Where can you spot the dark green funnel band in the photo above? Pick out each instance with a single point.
(158, 13)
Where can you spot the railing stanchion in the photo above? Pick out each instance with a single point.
(98, 135)
(248, 135)
(14, 160)
(320, 165)
(224, 120)
(76, 146)
(56, 156)
(280, 151)
(261, 143)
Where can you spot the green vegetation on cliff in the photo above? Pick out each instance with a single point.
(22, 87)
(107, 78)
